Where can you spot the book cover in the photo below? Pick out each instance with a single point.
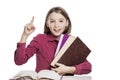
(73, 52)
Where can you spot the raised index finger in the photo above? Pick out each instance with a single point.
(32, 20)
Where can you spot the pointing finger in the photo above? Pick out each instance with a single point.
(32, 20)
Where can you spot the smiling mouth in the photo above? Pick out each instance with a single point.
(56, 30)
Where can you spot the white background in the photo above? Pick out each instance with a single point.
(96, 22)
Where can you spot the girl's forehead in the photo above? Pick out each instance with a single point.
(55, 15)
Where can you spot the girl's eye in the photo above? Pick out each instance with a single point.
(51, 21)
(61, 20)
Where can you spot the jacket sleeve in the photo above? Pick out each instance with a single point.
(83, 68)
(23, 53)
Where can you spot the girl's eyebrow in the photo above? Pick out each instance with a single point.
(62, 19)
(51, 19)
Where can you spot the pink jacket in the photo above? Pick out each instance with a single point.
(44, 46)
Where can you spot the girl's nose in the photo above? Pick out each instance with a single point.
(56, 25)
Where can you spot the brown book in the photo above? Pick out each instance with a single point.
(73, 52)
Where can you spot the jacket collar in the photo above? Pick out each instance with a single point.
(50, 37)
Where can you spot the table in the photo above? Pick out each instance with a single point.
(80, 77)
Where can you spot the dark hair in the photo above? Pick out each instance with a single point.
(62, 12)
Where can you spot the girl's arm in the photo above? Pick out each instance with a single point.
(22, 54)
(83, 68)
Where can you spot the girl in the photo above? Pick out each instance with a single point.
(44, 45)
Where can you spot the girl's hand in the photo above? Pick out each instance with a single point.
(29, 28)
(62, 69)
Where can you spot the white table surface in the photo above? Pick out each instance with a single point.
(77, 78)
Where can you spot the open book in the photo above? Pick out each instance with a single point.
(73, 52)
(32, 75)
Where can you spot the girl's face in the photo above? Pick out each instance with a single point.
(57, 23)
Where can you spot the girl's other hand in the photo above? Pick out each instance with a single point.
(63, 69)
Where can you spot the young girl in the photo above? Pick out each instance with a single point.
(44, 45)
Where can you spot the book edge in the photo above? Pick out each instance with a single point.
(23, 73)
(66, 45)
(48, 74)
(59, 44)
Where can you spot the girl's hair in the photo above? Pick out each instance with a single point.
(61, 11)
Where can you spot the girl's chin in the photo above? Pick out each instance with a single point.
(57, 35)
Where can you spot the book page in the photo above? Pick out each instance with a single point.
(25, 74)
(48, 74)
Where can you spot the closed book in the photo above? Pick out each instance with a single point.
(73, 52)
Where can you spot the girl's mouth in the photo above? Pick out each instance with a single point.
(56, 30)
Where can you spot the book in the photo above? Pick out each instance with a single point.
(59, 44)
(32, 75)
(73, 52)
